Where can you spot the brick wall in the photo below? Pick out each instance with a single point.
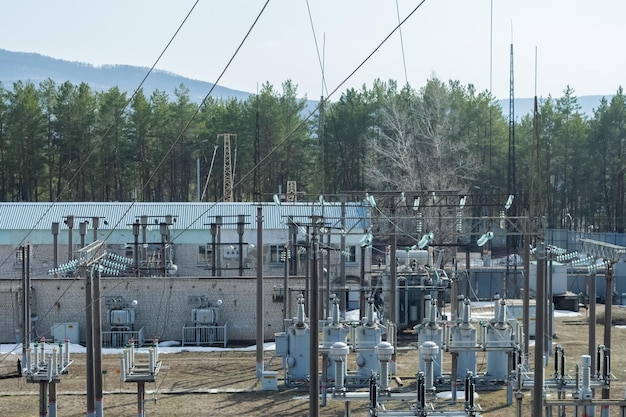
(163, 304)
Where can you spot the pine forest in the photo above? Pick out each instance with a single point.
(66, 142)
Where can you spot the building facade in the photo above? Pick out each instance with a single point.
(172, 252)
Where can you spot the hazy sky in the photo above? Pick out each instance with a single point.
(580, 43)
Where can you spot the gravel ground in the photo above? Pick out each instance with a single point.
(224, 383)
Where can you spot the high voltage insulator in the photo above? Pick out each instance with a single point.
(556, 250)
(583, 261)
(594, 267)
(64, 268)
(119, 258)
(567, 256)
(420, 223)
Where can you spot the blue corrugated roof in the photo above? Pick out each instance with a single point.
(116, 215)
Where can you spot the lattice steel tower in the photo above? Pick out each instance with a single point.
(228, 167)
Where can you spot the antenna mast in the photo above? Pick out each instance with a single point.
(257, 189)
(511, 176)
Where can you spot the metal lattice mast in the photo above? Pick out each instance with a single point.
(228, 170)
(511, 176)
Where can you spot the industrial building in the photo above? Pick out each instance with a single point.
(173, 264)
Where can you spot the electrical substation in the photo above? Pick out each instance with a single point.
(424, 299)
(348, 287)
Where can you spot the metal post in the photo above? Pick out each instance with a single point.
(453, 374)
(608, 323)
(55, 244)
(240, 229)
(218, 220)
(97, 343)
(321, 291)
(144, 229)
(324, 378)
(91, 408)
(214, 249)
(393, 272)
(328, 288)
(591, 291)
(43, 398)
(82, 231)
(393, 314)
(307, 274)
(526, 301)
(259, 294)
(95, 223)
(362, 285)
(163, 229)
(52, 399)
(467, 271)
(342, 293)
(537, 407)
(136, 247)
(314, 326)
(70, 225)
(141, 393)
(29, 318)
(286, 314)
(25, 311)
(454, 295)
(550, 307)
(295, 257)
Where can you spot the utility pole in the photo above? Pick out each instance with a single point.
(25, 305)
(259, 294)
(314, 325)
(536, 231)
(538, 392)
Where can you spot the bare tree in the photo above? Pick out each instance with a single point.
(414, 147)
(417, 147)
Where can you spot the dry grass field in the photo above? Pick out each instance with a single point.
(224, 383)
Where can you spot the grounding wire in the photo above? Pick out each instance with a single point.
(317, 49)
(208, 176)
(330, 94)
(406, 77)
(192, 117)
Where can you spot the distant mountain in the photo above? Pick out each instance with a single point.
(524, 106)
(16, 66)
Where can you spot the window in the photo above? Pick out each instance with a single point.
(205, 254)
(277, 254)
(19, 257)
(351, 254)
